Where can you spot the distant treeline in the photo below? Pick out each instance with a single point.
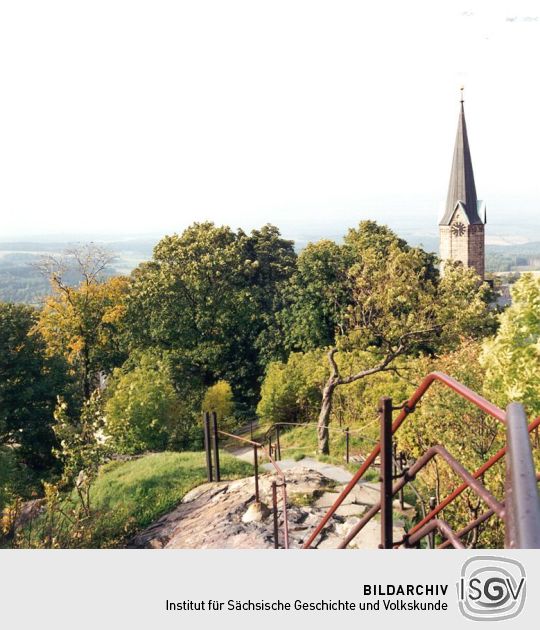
(21, 282)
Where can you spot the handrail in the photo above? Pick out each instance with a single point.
(408, 408)
(280, 473)
(477, 473)
(523, 522)
(496, 506)
(452, 538)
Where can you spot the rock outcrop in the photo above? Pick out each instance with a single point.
(224, 515)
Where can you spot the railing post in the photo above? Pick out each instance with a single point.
(347, 453)
(285, 517)
(431, 536)
(386, 473)
(278, 445)
(207, 445)
(275, 510)
(256, 467)
(522, 504)
(216, 445)
(401, 492)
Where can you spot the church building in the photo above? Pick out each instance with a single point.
(461, 229)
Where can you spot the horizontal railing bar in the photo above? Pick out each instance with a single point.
(241, 439)
(443, 527)
(409, 475)
(477, 473)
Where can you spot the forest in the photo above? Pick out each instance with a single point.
(110, 368)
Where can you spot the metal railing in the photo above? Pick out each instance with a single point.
(211, 442)
(522, 511)
(521, 489)
(275, 430)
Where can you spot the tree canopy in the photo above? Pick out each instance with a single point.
(512, 357)
(207, 295)
(30, 380)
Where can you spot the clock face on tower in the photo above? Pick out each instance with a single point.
(458, 229)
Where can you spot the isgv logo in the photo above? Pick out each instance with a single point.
(491, 588)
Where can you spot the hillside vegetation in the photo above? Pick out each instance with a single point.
(111, 367)
(125, 497)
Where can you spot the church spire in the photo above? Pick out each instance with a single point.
(462, 189)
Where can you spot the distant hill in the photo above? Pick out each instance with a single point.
(21, 282)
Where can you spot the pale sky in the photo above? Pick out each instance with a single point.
(143, 116)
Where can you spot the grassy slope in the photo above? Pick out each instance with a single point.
(131, 495)
(128, 496)
(299, 442)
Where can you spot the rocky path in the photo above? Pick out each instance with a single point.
(224, 515)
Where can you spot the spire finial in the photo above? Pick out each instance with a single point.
(461, 90)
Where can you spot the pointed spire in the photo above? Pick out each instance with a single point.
(461, 188)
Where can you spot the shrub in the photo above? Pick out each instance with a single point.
(143, 411)
(219, 398)
(291, 392)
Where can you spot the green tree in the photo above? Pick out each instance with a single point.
(81, 447)
(219, 398)
(205, 297)
(317, 296)
(143, 411)
(291, 391)
(30, 380)
(274, 264)
(512, 357)
(399, 307)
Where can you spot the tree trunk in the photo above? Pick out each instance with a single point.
(324, 415)
(333, 381)
(87, 389)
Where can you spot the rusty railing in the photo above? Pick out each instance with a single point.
(520, 510)
(276, 430)
(211, 441)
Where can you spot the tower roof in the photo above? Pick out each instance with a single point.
(462, 189)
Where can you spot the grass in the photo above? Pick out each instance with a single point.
(300, 442)
(128, 496)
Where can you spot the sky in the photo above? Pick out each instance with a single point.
(134, 117)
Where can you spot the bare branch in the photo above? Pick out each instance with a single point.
(333, 364)
(377, 368)
(88, 262)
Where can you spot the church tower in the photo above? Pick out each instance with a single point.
(461, 229)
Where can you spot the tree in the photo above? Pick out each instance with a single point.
(399, 306)
(205, 297)
(81, 446)
(291, 391)
(274, 264)
(30, 380)
(84, 323)
(142, 411)
(512, 357)
(316, 297)
(219, 398)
